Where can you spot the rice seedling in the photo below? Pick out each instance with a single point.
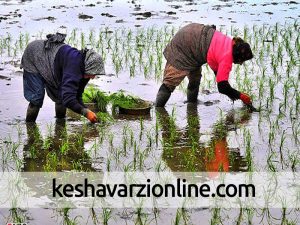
(249, 157)
(33, 152)
(216, 217)
(177, 217)
(93, 95)
(102, 135)
(190, 161)
(270, 163)
(149, 138)
(119, 99)
(250, 214)
(79, 140)
(106, 215)
(66, 218)
(77, 166)
(18, 215)
(82, 41)
(92, 37)
(47, 143)
(111, 140)
(286, 88)
(125, 143)
(51, 162)
(93, 214)
(296, 132)
(141, 157)
(8, 44)
(64, 147)
(135, 154)
(240, 217)
(142, 218)
(141, 128)
(271, 90)
(108, 164)
(104, 117)
(294, 161)
(9, 150)
(272, 134)
(156, 212)
(159, 166)
(117, 153)
(131, 137)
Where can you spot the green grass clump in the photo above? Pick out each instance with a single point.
(94, 95)
(118, 99)
(126, 101)
(104, 117)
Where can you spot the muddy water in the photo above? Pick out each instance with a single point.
(186, 137)
(36, 16)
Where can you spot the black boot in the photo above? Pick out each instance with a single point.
(162, 96)
(192, 92)
(32, 113)
(60, 111)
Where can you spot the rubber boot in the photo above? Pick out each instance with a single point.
(32, 113)
(162, 96)
(192, 92)
(60, 111)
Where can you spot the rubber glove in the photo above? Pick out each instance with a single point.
(246, 99)
(90, 115)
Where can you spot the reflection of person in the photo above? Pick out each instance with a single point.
(37, 150)
(63, 71)
(191, 47)
(220, 159)
(190, 155)
(45, 155)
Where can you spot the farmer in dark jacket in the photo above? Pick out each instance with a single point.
(191, 47)
(63, 71)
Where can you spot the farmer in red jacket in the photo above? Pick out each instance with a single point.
(191, 47)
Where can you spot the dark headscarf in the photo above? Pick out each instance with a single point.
(241, 50)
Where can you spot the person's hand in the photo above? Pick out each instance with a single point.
(246, 99)
(90, 115)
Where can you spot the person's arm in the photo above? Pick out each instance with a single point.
(225, 88)
(81, 88)
(69, 88)
(71, 84)
(222, 76)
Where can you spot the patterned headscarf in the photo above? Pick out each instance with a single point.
(53, 39)
(93, 63)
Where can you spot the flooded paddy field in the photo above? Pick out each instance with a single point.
(215, 134)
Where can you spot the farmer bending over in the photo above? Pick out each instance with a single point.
(63, 71)
(191, 47)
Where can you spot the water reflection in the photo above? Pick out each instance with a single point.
(59, 151)
(184, 152)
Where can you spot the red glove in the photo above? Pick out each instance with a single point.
(90, 115)
(245, 99)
